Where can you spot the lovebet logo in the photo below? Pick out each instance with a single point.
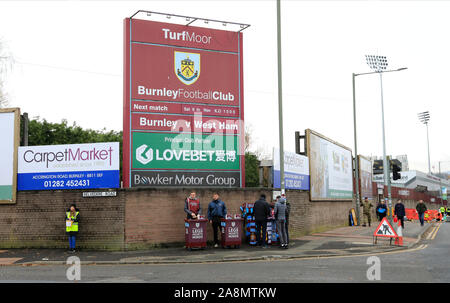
(180, 151)
(144, 154)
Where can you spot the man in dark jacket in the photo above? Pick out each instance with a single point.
(421, 209)
(216, 211)
(399, 211)
(261, 210)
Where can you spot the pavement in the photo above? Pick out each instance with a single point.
(343, 241)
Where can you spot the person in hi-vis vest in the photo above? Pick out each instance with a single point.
(72, 219)
(192, 206)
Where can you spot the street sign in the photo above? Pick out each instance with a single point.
(69, 166)
(93, 194)
(385, 229)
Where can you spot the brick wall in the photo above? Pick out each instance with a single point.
(307, 217)
(156, 216)
(37, 220)
(143, 218)
(398, 193)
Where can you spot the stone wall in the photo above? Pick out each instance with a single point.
(38, 220)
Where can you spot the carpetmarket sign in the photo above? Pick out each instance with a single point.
(71, 166)
(185, 151)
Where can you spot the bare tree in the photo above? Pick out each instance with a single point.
(6, 61)
(3, 97)
(261, 152)
(248, 137)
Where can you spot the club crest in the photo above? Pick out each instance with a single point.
(187, 67)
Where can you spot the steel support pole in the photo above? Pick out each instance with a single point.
(428, 145)
(357, 198)
(280, 100)
(386, 165)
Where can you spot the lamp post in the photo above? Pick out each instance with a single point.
(424, 118)
(280, 99)
(379, 65)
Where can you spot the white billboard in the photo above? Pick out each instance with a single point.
(9, 135)
(296, 170)
(70, 166)
(331, 170)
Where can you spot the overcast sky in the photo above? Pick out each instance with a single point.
(69, 57)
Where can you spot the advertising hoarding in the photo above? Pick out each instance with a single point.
(184, 151)
(296, 170)
(365, 177)
(70, 166)
(330, 167)
(182, 81)
(10, 136)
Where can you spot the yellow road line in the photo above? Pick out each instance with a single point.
(431, 233)
(435, 233)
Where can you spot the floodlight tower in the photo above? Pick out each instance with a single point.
(379, 64)
(424, 118)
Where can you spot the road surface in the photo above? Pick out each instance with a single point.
(429, 262)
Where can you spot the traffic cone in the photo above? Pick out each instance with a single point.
(399, 239)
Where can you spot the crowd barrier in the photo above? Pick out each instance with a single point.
(411, 214)
(430, 215)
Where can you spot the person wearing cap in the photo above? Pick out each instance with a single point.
(366, 205)
(72, 219)
(192, 206)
